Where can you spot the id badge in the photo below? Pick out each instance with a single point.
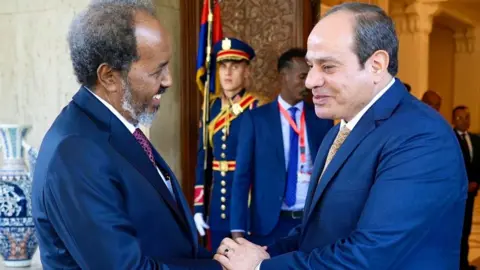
(304, 177)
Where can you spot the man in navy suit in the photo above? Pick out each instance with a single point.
(102, 197)
(276, 149)
(388, 187)
(470, 145)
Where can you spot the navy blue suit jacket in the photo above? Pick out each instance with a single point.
(261, 165)
(99, 203)
(393, 197)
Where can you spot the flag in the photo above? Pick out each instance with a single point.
(206, 42)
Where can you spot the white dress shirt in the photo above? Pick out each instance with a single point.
(132, 129)
(352, 123)
(303, 168)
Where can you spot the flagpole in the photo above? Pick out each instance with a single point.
(206, 91)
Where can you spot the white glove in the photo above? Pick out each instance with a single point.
(200, 223)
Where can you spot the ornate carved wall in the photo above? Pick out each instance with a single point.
(270, 27)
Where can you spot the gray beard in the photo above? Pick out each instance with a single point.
(143, 118)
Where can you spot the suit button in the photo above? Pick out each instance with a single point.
(224, 130)
(224, 138)
(249, 233)
(223, 183)
(223, 199)
(223, 190)
(223, 216)
(223, 207)
(223, 173)
(224, 146)
(222, 155)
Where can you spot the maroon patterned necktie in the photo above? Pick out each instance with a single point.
(144, 143)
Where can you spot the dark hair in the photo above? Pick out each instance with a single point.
(409, 88)
(460, 107)
(103, 33)
(285, 60)
(374, 30)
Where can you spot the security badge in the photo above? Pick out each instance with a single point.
(304, 174)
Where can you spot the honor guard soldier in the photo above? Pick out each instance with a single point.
(213, 184)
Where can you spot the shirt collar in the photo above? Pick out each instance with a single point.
(352, 123)
(461, 132)
(287, 106)
(122, 119)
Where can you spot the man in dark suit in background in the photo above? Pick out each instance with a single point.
(433, 99)
(470, 145)
(102, 197)
(277, 146)
(388, 187)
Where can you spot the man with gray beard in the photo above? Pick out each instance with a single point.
(102, 197)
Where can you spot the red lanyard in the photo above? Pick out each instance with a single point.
(300, 132)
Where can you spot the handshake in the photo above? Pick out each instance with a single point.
(240, 254)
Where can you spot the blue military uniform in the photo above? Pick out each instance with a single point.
(223, 130)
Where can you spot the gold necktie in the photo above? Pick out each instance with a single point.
(341, 137)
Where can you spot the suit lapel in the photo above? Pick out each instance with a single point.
(124, 143)
(380, 110)
(180, 198)
(276, 124)
(311, 129)
(363, 128)
(134, 154)
(318, 166)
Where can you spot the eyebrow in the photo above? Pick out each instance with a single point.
(160, 66)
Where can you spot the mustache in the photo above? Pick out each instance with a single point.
(162, 90)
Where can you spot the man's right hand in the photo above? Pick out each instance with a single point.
(236, 235)
(200, 223)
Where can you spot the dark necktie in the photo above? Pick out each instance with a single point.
(292, 168)
(147, 148)
(145, 144)
(464, 145)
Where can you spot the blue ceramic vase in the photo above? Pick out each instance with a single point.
(17, 232)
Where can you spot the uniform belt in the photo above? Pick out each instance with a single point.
(292, 214)
(223, 166)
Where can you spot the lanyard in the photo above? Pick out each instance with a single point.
(300, 132)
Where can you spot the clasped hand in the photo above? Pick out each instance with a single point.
(240, 254)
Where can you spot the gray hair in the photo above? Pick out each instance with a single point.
(374, 30)
(143, 4)
(104, 33)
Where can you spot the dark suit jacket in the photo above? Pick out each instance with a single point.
(99, 203)
(261, 166)
(393, 197)
(472, 165)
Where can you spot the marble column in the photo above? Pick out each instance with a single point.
(467, 81)
(413, 25)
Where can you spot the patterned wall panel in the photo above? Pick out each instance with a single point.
(270, 27)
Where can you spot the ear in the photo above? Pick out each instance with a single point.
(109, 78)
(247, 71)
(282, 75)
(378, 64)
